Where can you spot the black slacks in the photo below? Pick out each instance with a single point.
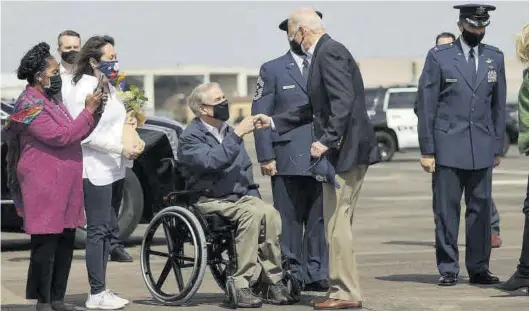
(476, 185)
(299, 201)
(101, 221)
(49, 266)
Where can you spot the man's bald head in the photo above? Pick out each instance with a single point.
(306, 18)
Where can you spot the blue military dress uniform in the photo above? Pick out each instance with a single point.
(461, 114)
(297, 194)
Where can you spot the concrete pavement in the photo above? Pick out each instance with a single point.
(394, 241)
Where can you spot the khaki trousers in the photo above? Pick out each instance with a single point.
(338, 209)
(248, 213)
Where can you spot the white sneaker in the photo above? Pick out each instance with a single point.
(123, 300)
(105, 301)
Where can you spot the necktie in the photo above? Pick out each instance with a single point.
(472, 64)
(305, 71)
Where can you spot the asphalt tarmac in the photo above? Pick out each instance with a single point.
(393, 227)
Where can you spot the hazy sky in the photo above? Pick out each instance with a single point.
(160, 34)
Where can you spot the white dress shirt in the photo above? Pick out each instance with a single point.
(466, 51)
(310, 52)
(67, 85)
(299, 60)
(219, 134)
(103, 163)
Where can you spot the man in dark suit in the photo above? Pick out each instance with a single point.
(282, 86)
(461, 113)
(345, 138)
(448, 38)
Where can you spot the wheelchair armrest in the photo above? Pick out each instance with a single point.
(175, 194)
(253, 187)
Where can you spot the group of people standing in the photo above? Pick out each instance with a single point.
(67, 159)
(461, 121)
(70, 155)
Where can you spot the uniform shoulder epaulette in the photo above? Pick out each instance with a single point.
(492, 48)
(443, 47)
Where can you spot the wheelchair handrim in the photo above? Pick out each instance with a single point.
(200, 252)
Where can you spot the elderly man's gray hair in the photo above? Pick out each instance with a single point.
(199, 96)
(306, 17)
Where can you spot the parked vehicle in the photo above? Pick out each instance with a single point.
(391, 112)
(144, 183)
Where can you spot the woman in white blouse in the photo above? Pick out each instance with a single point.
(106, 155)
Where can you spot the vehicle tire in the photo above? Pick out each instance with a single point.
(386, 144)
(506, 144)
(130, 212)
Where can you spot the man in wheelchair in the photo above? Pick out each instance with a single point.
(211, 156)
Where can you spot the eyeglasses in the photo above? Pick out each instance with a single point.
(299, 166)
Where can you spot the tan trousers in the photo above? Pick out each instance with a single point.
(338, 210)
(249, 212)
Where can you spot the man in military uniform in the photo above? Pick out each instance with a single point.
(282, 86)
(447, 38)
(461, 112)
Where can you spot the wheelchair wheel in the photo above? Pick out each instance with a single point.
(231, 293)
(184, 247)
(293, 286)
(219, 270)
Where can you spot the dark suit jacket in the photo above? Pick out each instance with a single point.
(337, 106)
(281, 87)
(462, 122)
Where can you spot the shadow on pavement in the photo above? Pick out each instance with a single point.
(215, 299)
(415, 278)
(518, 293)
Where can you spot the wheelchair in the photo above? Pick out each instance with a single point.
(192, 241)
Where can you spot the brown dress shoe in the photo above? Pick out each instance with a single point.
(337, 304)
(318, 300)
(495, 241)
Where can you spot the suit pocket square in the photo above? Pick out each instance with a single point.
(451, 80)
(286, 87)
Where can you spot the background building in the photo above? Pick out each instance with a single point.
(167, 89)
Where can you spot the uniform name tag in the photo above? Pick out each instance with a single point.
(286, 87)
(451, 80)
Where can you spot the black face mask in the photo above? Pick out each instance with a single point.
(221, 111)
(296, 47)
(69, 57)
(471, 38)
(54, 87)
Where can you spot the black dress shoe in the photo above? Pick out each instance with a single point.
(318, 286)
(448, 279)
(516, 282)
(120, 255)
(485, 278)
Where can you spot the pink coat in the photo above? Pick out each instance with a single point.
(50, 166)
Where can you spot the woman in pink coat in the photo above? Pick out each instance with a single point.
(45, 174)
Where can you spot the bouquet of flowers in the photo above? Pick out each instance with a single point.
(134, 99)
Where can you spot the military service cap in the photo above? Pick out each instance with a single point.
(284, 24)
(476, 15)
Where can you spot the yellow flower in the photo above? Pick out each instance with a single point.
(120, 78)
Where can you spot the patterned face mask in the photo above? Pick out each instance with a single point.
(109, 68)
